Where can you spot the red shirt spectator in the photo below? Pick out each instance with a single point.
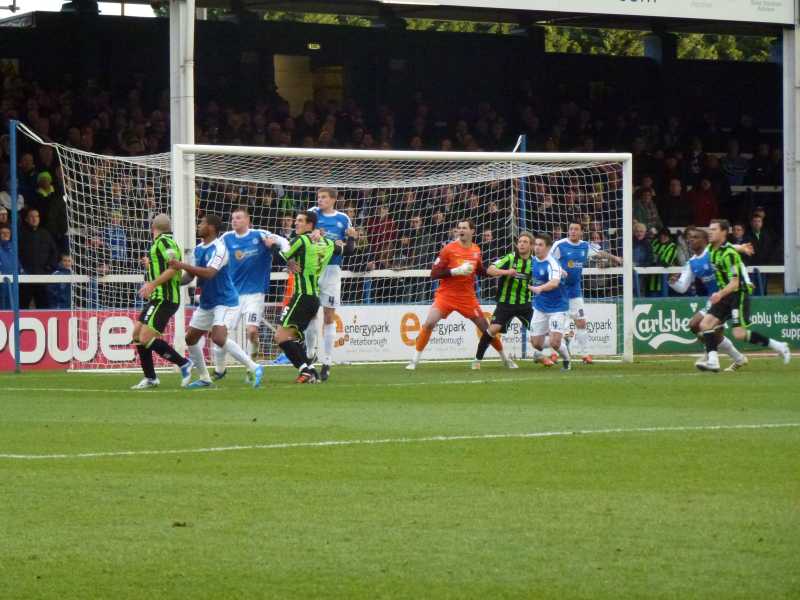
(704, 203)
(381, 233)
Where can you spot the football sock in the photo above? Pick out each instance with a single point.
(146, 358)
(423, 338)
(497, 344)
(240, 355)
(311, 335)
(167, 352)
(196, 354)
(563, 351)
(756, 338)
(582, 338)
(328, 338)
(710, 339)
(220, 355)
(295, 352)
(483, 344)
(728, 348)
(252, 348)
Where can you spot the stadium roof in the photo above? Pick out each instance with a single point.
(436, 9)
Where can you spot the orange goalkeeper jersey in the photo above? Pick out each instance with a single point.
(458, 288)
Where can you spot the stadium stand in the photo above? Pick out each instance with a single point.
(693, 160)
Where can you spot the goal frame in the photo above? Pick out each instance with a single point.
(184, 208)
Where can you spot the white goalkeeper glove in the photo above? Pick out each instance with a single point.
(466, 269)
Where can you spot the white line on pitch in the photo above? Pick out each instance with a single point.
(544, 377)
(402, 440)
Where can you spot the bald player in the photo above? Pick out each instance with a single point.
(162, 290)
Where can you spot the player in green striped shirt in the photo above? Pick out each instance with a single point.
(307, 259)
(513, 294)
(162, 291)
(732, 301)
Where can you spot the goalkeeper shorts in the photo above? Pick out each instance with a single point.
(469, 309)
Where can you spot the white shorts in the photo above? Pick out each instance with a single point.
(251, 308)
(576, 309)
(206, 318)
(330, 287)
(542, 323)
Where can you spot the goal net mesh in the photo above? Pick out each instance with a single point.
(403, 210)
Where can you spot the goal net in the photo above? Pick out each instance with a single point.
(403, 205)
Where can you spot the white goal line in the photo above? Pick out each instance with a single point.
(404, 440)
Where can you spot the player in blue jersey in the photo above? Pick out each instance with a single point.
(573, 254)
(219, 302)
(335, 226)
(550, 303)
(699, 270)
(250, 263)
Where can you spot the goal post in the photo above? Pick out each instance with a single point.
(346, 169)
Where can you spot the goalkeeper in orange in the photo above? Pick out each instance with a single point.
(458, 264)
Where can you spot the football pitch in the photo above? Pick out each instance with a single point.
(645, 480)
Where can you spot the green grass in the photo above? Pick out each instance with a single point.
(697, 513)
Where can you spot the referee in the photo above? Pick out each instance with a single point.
(162, 291)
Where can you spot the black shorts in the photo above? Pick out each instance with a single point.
(157, 313)
(505, 313)
(299, 313)
(734, 308)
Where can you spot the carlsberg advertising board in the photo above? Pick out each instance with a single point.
(661, 325)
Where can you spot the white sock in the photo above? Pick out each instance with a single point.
(311, 334)
(582, 339)
(196, 354)
(713, 357)
(776, 345)
(537, 354)
(252, 348)
(220, 356)
(415, 358)
(328, 337)
(239, 354)
(563, 351)
(728, 348)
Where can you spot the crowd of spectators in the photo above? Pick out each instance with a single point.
(684, 170)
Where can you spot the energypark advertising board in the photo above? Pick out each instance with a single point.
(52, 339)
